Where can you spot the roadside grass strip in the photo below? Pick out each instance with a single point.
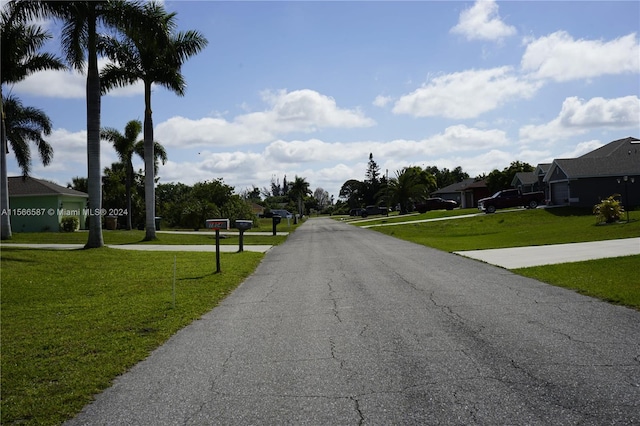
(74, 320)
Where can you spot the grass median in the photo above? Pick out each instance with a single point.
(74, 320)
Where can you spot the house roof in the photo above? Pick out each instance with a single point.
(466, 184)
(525, 178)
(616, 149)
(22, 187)
(543, 168)
(617, 158)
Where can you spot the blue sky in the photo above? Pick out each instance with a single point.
(311, 88)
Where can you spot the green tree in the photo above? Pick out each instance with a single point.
(446, 177)
(78, 183)
(298, 191)
(410, 185)
(24, 124)
(17, 62)
(126, 145)
(153, 55)
(372, 183)
(79, 41)
(498, 180)
(352, 191)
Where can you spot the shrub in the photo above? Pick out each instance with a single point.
(69, 223)
(609, 210)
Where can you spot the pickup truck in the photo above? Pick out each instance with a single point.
(511, 198)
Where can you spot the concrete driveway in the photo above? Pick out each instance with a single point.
(523, 257)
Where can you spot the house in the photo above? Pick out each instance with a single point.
(38, 205)
(257, 209)
(532, 181)
(465, 193)
(586, 180)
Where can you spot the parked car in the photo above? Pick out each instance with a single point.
(376, 210)
(511, 198)
(358, 212)
(282, 213)
(436, 203)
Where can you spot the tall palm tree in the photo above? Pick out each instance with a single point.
(155, 56)
(298, 190)
(126, 145)
(18, 62)
(81, 20)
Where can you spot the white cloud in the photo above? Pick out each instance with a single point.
(302, 111)
(561, 58)
(581, 149)
(482, 22)
(577, 117)
(466, 94)
(382, 101)
(71, 84)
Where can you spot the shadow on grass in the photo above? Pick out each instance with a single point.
(569, 211)
(199, 277)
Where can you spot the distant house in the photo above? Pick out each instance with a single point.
(586, 180)
(532, 181)
(465, 193)
(38, 205)
(257, 209)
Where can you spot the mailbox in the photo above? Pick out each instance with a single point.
(275, 219)
(217, 224)
(242, 226)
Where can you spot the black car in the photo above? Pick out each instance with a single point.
(436, 203)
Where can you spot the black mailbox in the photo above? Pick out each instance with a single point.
(242, 226)
(275, 220)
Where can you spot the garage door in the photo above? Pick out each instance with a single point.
(560, 193)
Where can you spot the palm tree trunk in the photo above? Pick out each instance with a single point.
(5, 226)
(128, 191)
(94, 178)
(149, 175)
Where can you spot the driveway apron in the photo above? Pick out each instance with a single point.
(346, 326)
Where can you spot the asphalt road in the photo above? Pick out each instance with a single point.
(341, 325)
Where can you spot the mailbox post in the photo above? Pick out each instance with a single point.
(242, 226)
(217, 224)
(275, 220)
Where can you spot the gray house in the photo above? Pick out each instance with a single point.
(586, 180)
(38, 205)
(532, 181)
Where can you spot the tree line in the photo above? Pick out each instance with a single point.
(413, 184)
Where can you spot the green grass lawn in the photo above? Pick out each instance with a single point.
(74, 320)
(613, 280)
(510, 229)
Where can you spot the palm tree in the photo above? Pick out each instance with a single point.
(410, 184)
(24, 124)
(126, 145)
(18, 62)
(155, 56)
(298, 190)
(79, 36)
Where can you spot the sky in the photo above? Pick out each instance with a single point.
(310, 89)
